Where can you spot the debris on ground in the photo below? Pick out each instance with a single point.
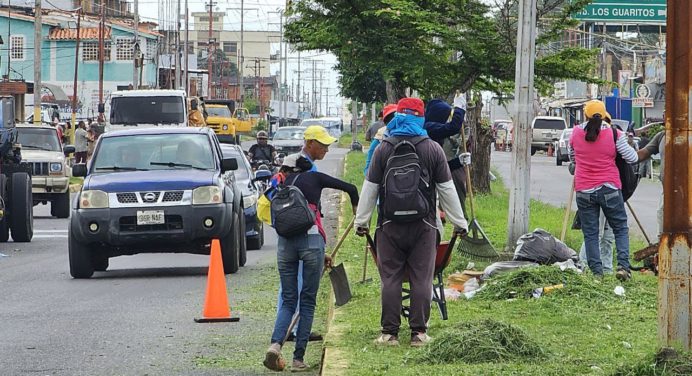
(523, 282)
(619, 291)
(506, 266)
(481, 341)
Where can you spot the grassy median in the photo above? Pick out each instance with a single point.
(584, 328)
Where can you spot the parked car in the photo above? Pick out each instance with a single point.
(545, 130)
(288, 140)
(155, 190)
(244, 178)
(333, 125)
(50, 173)
(562, 147)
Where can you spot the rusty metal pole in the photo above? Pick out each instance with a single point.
(675, 257)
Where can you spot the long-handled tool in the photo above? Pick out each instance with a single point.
(476, 243)
(337, 274)
(650, 249)
(568, 211)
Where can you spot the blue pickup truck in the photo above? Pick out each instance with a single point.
(155, 190)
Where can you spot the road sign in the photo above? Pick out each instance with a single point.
(630, 11)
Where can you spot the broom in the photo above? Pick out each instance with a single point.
(476, 243)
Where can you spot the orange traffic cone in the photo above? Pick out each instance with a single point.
(216, 307)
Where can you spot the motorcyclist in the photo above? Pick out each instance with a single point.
(262, 151)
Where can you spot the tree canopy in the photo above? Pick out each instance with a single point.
(436, 47)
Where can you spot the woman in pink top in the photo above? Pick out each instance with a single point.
(597, 182)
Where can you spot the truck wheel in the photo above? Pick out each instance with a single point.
(100, 262)
(558, 159)
(533, 151)
(21, 212)
(80, 258)
(243, 241)
(60, 206)
(230, 247)
(4, 227)
(256, 242)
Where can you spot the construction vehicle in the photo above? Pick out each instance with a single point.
(16, 198)
(240, 117)
(220, 119)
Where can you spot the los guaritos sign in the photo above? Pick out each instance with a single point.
(628, 11)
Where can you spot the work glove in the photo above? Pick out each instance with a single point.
(361, 231)
(465, 159)
(572, 167)
(460, 101)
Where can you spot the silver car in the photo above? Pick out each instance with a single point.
(562, 147)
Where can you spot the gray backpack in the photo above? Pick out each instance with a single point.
(405, 194)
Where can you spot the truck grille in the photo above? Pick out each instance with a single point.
(173, 196)
(127, 198)
(39, 168)
(129, 224)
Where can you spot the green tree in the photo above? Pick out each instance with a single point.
(435, 46)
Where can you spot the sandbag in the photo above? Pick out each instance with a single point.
(543, 248)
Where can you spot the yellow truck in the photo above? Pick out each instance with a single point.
(238, 118)
(220, 119)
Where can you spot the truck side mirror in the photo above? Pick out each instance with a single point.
(68, 149)
(229, 164)
(79, 170)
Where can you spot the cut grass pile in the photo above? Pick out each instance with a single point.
(666, 363)
(481, 341)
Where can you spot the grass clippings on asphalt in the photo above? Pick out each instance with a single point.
(481, 341)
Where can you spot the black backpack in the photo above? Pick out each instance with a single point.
(405, 194)
(290, 213)
(628, 177)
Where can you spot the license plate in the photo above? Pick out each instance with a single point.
(150, 217)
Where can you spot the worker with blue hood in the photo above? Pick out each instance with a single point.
(444, 123)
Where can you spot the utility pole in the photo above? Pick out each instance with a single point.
(241, 73)
(134, 55)
(210, 49)
(320, 108)
(327, 100)
(178, 65)
(674, 324)
(298, 93)
(285, 77)
(102, 31)
(187, 48)
(281, 66)
(518, 218)
(37, 62)
(76, 71)
(314, 85)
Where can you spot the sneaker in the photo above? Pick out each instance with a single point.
(387, 340)
(273, 359)
(623, 274)
(420, 339)
(299, 366)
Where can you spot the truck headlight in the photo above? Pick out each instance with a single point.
(93, 199)
(55, 167)
(225, 127)
(249, 200)
(207, 195)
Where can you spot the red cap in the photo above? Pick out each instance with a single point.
(387, 110)
(414, 104)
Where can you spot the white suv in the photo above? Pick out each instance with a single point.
(50, 174)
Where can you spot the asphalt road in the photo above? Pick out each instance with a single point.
(134, 319)
(551, 184)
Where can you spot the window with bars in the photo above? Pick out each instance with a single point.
(90, 51)
(124, 49)
(230, 47)
(152, 50)
(17, 47)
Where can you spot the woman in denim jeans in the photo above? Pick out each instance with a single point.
(597, 182)
(308, 248)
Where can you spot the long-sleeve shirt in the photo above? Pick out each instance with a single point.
(439, 131)
(595, 161)
(433, 159)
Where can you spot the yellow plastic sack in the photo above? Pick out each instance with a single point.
(264, 210)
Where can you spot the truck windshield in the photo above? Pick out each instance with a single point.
(147, 110)
(38, 139)
(154, 152)
(219, 111)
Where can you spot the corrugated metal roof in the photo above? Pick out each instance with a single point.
(71, 34)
